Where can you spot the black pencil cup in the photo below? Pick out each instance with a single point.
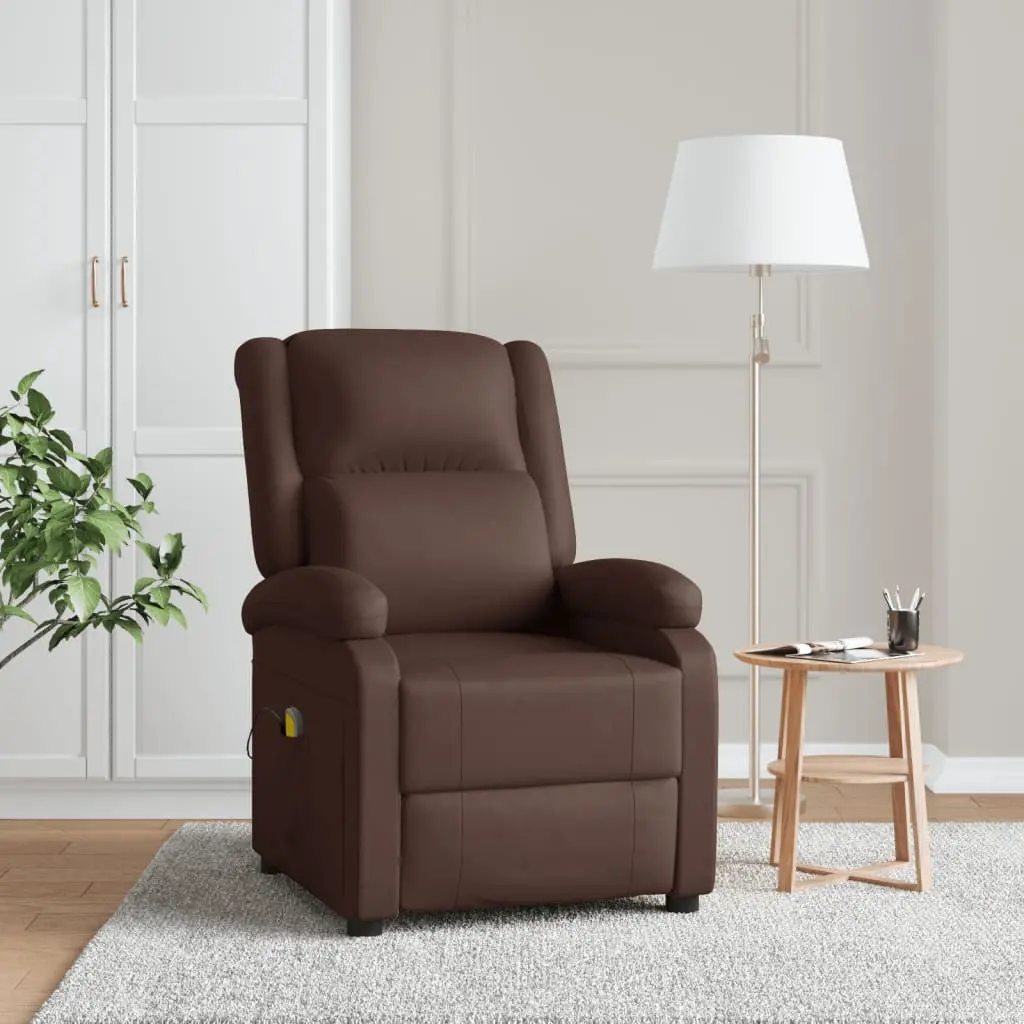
(904, 627)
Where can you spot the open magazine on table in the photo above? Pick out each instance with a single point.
(849, 650)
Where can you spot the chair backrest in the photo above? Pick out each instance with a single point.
(430, 462)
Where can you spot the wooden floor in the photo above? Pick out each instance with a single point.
(61, 880)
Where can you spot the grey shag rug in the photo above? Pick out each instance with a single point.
(203, 937)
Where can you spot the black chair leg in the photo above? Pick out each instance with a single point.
(359, 929)
(266, 868)
(682, 904)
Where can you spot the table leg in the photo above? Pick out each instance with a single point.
(794, 757)
(915, 763)
(780, 780)
(897, 748)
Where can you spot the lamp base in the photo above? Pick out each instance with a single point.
(738, 803)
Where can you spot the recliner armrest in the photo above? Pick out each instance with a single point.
(337, 604)
(630, 590)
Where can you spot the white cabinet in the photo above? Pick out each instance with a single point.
(197, 148)
(54, 219)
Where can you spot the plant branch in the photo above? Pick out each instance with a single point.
(28, 643)
(34, 592)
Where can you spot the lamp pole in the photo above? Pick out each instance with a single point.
(752, 805)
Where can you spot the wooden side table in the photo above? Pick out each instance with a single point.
(903, 769)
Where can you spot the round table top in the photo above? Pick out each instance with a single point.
(926, 656)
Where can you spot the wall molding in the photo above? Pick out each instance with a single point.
(188, 110)
(42, 110)
(659, 356)
(803, 478)
(192, 766)
(42, 766)
(188, 441)
(653, 353)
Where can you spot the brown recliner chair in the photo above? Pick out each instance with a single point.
(484, 722)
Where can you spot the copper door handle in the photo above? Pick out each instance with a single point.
(124, 281)
(94, 301)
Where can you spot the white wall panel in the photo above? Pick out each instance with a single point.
(566, 117)
(42, 50)
(193, 693)
(44, 693)
(221, 48)
(221, 257)
(42, 263)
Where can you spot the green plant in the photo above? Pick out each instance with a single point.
(57, 516)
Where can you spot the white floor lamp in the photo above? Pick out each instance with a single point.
(759, 205)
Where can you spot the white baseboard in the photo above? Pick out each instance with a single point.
(142, 798)
(42, 797)
(981, 775)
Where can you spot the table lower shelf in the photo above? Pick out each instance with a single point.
(849, 768)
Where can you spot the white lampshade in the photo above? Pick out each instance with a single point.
(781, 200)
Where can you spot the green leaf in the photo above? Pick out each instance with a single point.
(132, 627)
(171, 551)
(142, 582)
(27, 381)
(198, 594)
(84, 594)
(160, 614)
(9, 476)
(161, 595)
(8, 611)
(64, 437)
(38, 405)
(38, 446)
(19, 576)
(56, 449)
(64, 480)
(62, 632)
(178, 615)
(89, 536)
(152, 553)
(142, 483)
(59, 530)
(105, 457)
(94, 467)
(115, 533)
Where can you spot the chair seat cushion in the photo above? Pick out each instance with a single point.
(498, 710)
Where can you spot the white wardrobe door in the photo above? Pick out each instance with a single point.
(222, 149)
(54, 218)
